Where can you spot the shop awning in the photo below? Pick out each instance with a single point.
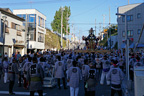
(132, 45)
(124, 45)
(20, 46)
(140, 45)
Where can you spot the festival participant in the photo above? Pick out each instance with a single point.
(5, 69)
(20, 71)
(59, 72)
(98, 64)
(106, 68)
(131, 66)
(115, 76)
(74, 77)
(138, 62)
(12, 70)
(35, 77)
(91, 81)
(85, 70)
(69, 62)
(25, 70)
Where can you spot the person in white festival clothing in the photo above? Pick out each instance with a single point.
(59, 72)
(115, 76)
(106, 68)
(74, 77)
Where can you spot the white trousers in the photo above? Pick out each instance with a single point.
(104, 74)
(74, 91)
(5, 77)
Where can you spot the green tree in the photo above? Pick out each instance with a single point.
(56, 23)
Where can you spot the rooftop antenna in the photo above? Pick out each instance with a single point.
(31, 3)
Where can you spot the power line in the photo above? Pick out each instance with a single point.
(89, 10)
(35, 2)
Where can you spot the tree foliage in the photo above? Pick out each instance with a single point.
(56, 23)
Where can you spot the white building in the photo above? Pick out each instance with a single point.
(36, 27)
(135, 22)
(14, 40)
(112, 41)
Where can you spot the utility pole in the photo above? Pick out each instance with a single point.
(95, 27)
(79, 37)
(100, 30)
(128, 2)
(26, 35)
(62, 9)
(4, 19)
(103, 21)
(109, 27)
(67, 31)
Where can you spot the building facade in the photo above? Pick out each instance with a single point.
(14, 36)
(34, 26)
(135, 23)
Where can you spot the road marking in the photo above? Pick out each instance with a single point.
(21, 93)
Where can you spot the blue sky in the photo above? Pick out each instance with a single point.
(83, 12)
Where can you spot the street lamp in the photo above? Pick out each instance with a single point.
(62, 9)
(127, 46)
(4, 19)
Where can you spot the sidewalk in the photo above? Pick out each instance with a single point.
(127, 92)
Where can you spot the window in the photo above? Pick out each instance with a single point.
(123, 33)
(45, 23)
(139, 30)
(130, 33)
(123, 18)
(138, 15)
(40, 37)
(22, 16)
(32, 35)
(15, 26)
(41, 21)
(32, 18)
(129, 17)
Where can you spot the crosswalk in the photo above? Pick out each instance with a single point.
(20, 93)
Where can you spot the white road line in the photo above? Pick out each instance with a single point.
(20, 93)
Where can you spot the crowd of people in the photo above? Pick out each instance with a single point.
(70, 67)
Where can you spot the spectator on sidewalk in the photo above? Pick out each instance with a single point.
(115, 76)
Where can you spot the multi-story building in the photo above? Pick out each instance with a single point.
(135, 23)
(14, 36)
(35, 27)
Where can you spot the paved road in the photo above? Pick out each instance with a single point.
(20, 91)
